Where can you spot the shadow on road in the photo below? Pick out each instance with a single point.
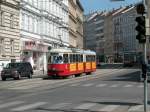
(64, 110)
(118, 103)
(115, 66)
(132, 77)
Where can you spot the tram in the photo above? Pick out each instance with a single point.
(65, 62)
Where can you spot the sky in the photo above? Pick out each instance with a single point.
(93, 5)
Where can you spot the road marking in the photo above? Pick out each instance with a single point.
(27, 107)
(115, 85)
(59, 105)
(135, 108)
(140, 86)
(73, 85)
(128, 85)
(87, 85)
(85, 106)
(10, 104)
(109, 108)
(101, 85)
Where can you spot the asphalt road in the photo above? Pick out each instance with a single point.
(108, 90)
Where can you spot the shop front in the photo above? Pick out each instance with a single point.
(35, 53)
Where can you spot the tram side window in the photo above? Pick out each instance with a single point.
(94, 58)
(71, 58)
(81, 58)
(65, 58)
(77, 58)
(87, 58)
(74, 58)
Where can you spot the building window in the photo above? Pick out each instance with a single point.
(12, 21)
(23, 21)
(1, 46)
(2, 18)
(12, 47)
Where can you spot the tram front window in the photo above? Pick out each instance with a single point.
(57, 59)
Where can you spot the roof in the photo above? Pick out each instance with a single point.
(72, 50)
(79, 4)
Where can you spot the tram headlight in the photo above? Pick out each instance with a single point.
(54, 69)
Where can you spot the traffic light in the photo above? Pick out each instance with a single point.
(141, 29)
(140, 8)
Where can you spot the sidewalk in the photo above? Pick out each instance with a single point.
(39, 73)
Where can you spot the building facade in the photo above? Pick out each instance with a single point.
(89, 32)
(124, 32)
(9, 31)
(79, 27)
(43, 25)
(109, 38)
(94, 33)
(72, 23)
(75, 23)
(118, 35)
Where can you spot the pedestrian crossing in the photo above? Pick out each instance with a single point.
(40, 84)
(104, 84)
(25, 106)
(108, 85)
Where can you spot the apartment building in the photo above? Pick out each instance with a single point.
(94, 33)
(9, 31)
(79, 27)
(109, 38)
(72, 23)
(43, 24)
(89, 33)
(75, 23)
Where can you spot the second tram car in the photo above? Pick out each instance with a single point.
(68, 61)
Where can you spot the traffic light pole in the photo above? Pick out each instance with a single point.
(145, 61)
(145, 80)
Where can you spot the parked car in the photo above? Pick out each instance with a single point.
(17, 70)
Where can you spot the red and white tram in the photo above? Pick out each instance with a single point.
(68, 61)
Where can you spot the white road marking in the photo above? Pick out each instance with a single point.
(140, 86)
(135, 108)
(10, 104)
(109, 108)
(101, 85)
(115, 85)
(128, 85)
(87, 85)
(59, 105)
(73, 85)
(29, 106)
(85, 106)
